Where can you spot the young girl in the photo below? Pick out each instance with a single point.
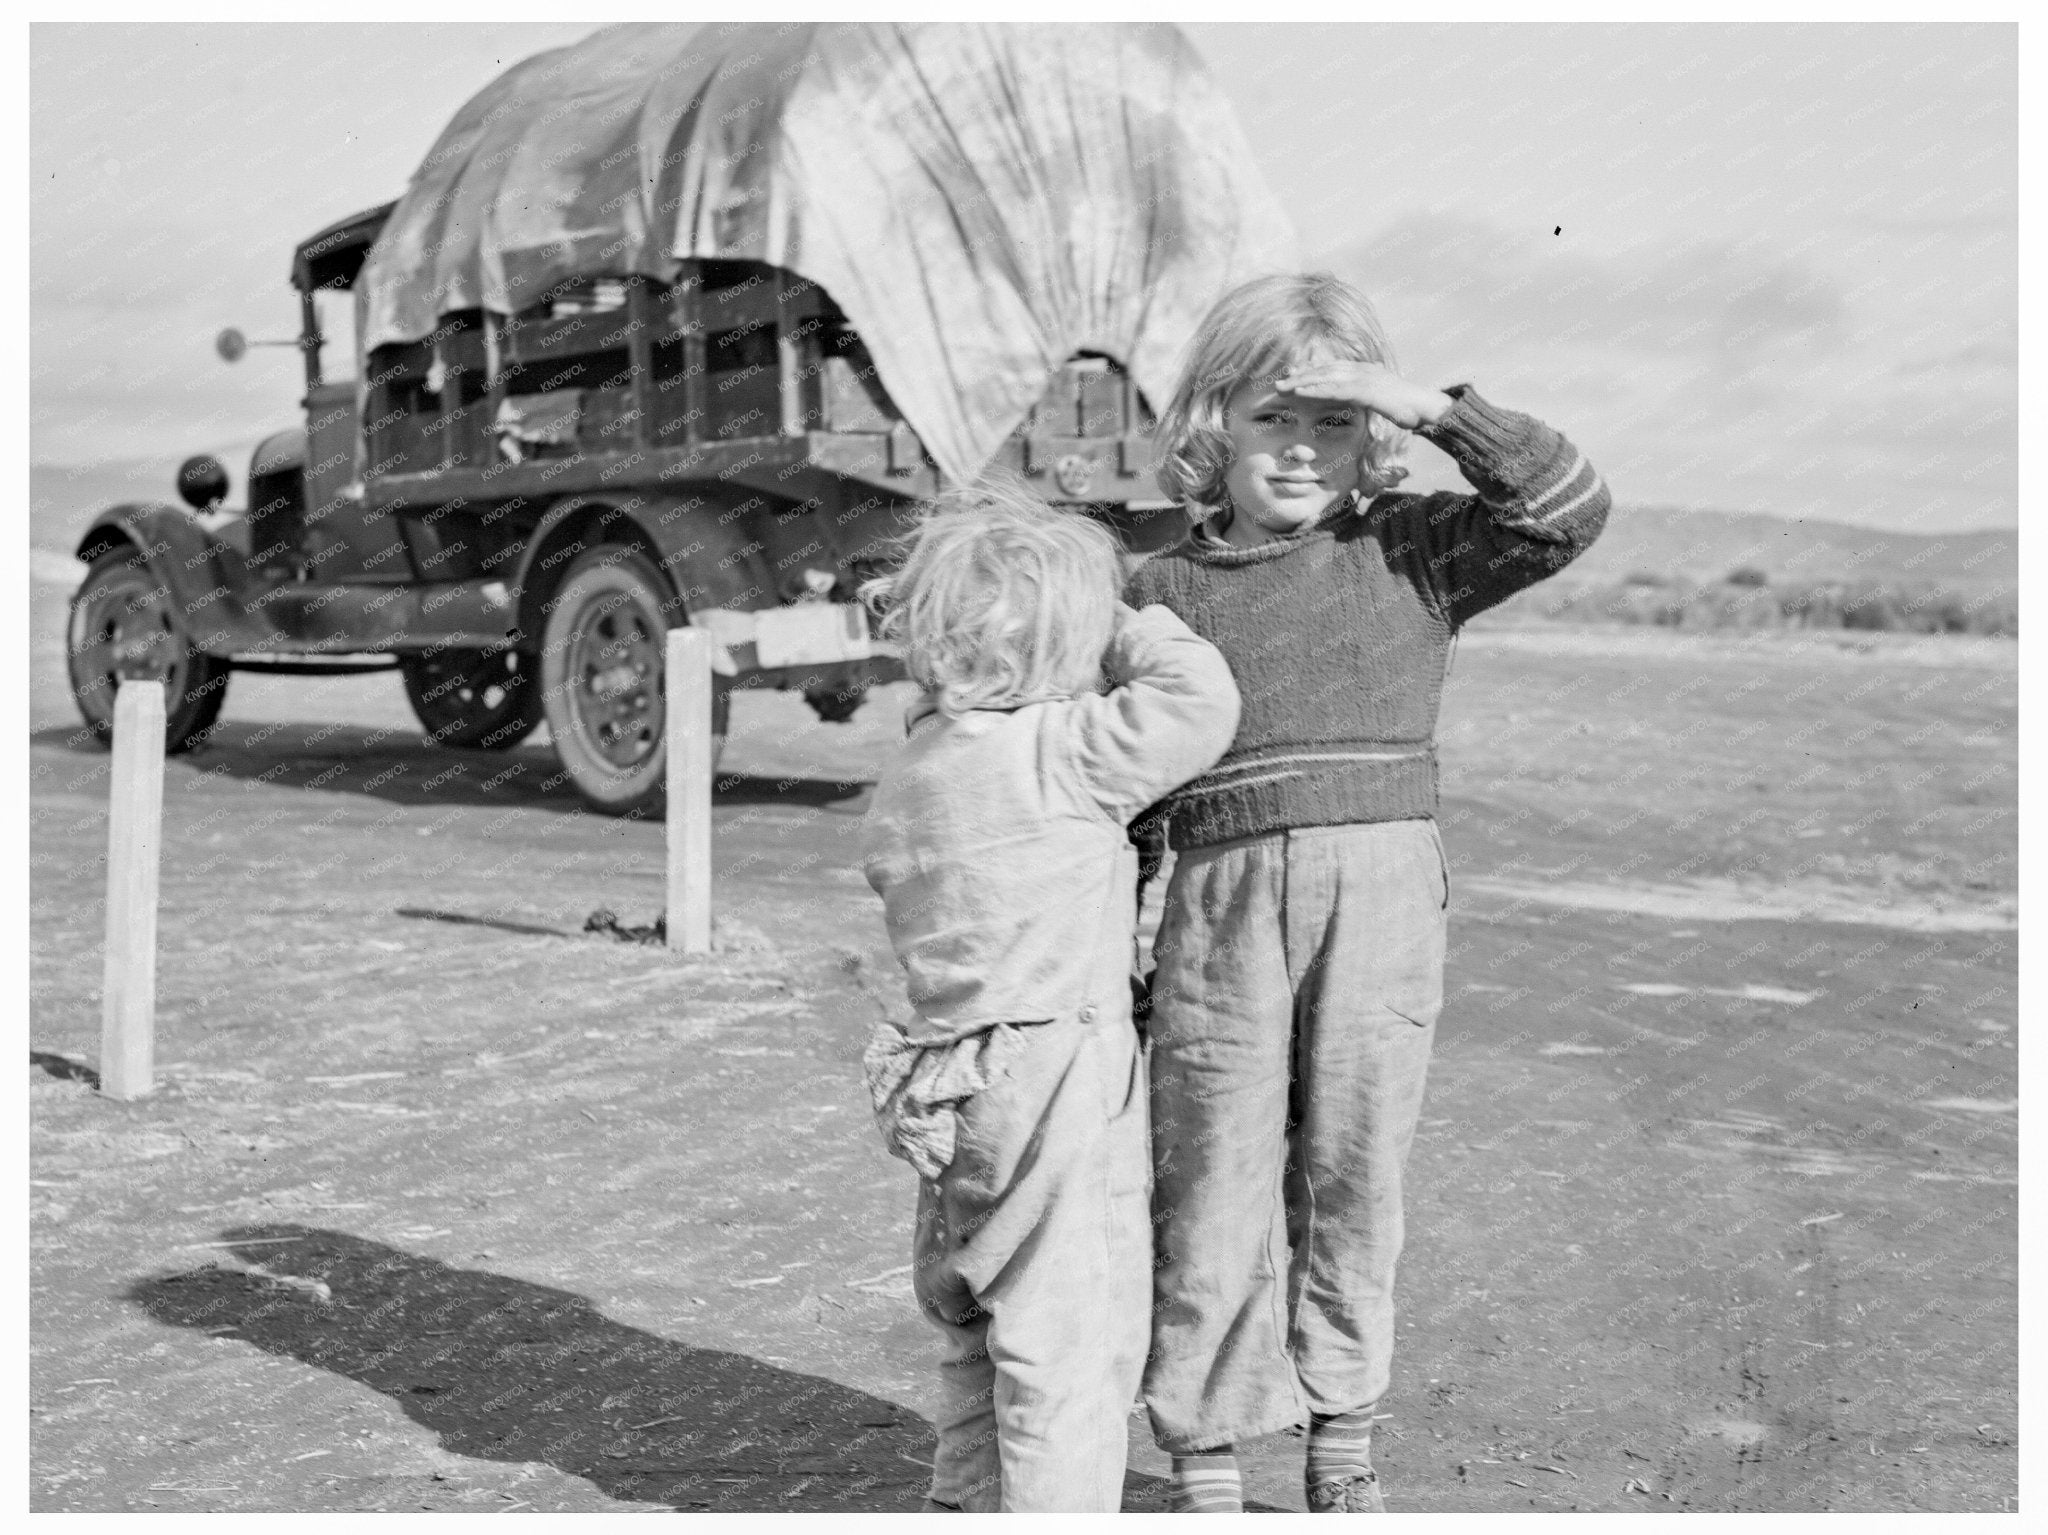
(1300, 956)
(1051, 714)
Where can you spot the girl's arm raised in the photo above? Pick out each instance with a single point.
(1539, 505)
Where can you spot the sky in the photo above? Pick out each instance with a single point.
(1754, 268)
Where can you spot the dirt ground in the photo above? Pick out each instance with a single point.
(443, 1204)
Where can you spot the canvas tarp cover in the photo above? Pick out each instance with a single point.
(981, 201)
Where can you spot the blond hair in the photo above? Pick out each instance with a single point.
(1000, 601)
(1261, 330)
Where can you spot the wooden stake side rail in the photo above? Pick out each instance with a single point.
(1118, 469)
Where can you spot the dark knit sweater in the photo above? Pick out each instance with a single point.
(1338, 635)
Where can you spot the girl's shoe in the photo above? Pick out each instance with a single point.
(1347, 1495)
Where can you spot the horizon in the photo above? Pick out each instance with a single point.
(1828, 341)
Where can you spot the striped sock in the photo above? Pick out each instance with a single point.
(1207, 1483)
(1340, 1445)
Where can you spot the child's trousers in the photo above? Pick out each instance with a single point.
(1299, 979)
(1033, 1255)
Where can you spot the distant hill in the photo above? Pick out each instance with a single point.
(1706, 545)
(63, 497)
(1662, 541)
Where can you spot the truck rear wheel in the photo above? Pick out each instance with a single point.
(488, 699)
(123, 624)
(602, 676)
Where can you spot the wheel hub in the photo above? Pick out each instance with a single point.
(139, 656)
(618, 667)
(135, 639)
(614, 680)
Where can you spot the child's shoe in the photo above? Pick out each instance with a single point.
(1340, 1478)
(1347, 1495)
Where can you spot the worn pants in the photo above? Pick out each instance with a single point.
(1033, 1256)
(1299, 979)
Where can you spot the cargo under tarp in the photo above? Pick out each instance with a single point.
(981, 201)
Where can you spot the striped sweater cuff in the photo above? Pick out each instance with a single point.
(1481, 435)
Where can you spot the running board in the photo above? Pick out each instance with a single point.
(312, 668)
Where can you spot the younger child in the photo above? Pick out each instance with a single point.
(1051, 714)
(1300, 957)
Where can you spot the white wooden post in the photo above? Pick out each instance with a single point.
(135, 821)
(689, 790)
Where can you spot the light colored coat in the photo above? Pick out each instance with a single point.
(998, 845)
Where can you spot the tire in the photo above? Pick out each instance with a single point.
(123, 624)
(478, 699)
(602, 678)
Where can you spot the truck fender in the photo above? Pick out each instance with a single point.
(205, 577)
(706, 542)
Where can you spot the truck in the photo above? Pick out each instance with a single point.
(678, 325)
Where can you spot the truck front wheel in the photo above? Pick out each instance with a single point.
(123, 624)
(602, 678)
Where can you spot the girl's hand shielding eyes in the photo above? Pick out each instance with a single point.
(1381, 390)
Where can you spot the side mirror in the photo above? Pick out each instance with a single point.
(202, 481)
(231, 344)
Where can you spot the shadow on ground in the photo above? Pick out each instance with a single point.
(63, 1067)
(463, 919)
(400, 768)
(503, 1369)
